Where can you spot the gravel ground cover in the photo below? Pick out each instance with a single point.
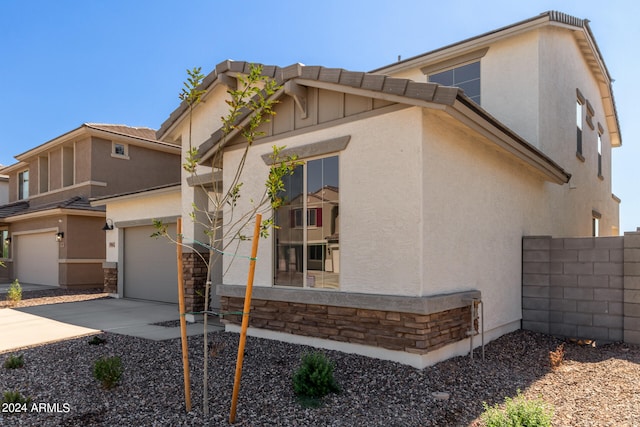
(594, 386)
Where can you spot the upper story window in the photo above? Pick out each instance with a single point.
(579, 123)
(43, 174)
(600, 130)
(466, 77)
(120, 150)
(23, 185)
(307, 242)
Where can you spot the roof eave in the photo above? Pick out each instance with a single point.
(472, 115)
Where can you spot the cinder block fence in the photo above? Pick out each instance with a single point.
(584, 288)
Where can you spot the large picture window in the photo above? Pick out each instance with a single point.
(307, 242)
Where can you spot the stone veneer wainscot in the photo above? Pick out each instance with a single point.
(412, 324)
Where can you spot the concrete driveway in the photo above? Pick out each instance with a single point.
(29, 326)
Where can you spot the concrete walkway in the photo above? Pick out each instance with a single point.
(28, 326)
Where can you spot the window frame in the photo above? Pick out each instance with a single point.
(579, 123)
(475, 98)
(595, 223)
(23, 185)
(115, 148)
(5, 248)
(297, 215)
(600, 133)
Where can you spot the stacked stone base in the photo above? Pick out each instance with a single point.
(194, 270)
(110, 278)
(393, 330)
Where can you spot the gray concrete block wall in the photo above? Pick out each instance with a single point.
(631, 288)
(574, 287)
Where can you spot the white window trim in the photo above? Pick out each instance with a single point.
(120, 156)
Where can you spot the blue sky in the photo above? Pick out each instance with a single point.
(63, 63)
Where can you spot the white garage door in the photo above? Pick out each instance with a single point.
(36, 258)
(150, 266)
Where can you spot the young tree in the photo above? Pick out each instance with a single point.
(250, 104)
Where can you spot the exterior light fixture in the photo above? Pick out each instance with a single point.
(7, 241)
(108, 225)
(59, 236)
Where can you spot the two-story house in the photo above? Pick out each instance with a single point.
(4, 189)
(435, 168)
(51, 233)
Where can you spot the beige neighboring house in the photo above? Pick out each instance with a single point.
(51, 233)
(435, 168)
(137, 265)
(4, 188)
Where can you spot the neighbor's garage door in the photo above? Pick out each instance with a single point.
(150, 266)
(36, 258)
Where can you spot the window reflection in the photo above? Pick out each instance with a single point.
(307, 238)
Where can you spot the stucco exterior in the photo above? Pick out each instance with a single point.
(49, 191)
(435, 191)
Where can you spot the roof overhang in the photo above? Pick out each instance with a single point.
(403, 91)
(52, 212)
(166, 189)
(89, 130)
(581, 32)
(506, 140)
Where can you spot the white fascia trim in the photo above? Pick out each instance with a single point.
(507, 144)
(50, 212)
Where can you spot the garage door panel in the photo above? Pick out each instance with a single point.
(36, 258)
(150, 267)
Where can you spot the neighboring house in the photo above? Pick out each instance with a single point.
(4, 244)
(137, 265)
(413, 198)
(4, 188)
(53, 235)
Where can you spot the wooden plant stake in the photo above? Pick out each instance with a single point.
(183, 321)
(245, 318)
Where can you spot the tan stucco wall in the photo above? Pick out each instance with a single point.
(529, 82)
(143, 208)
(206, 120)
(477, 206)
(143, 169)
(379, 253)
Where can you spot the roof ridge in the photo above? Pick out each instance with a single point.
(118, 125)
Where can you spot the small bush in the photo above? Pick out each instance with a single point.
(518, 412)
(96, 340)
(314, 378)
(14, 293)
(15, 397)
(14, 362)
(108, 371)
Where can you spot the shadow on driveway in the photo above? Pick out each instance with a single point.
(29, 326)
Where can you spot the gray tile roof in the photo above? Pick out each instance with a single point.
(136, 132)
(430, 92)
(419, 91)
(24, 206)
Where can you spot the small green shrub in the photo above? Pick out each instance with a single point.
(314, 378)
(518, 412)
(15, 397)
(96, 340)
(14, 293)
(14, 362)
(108, 371)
